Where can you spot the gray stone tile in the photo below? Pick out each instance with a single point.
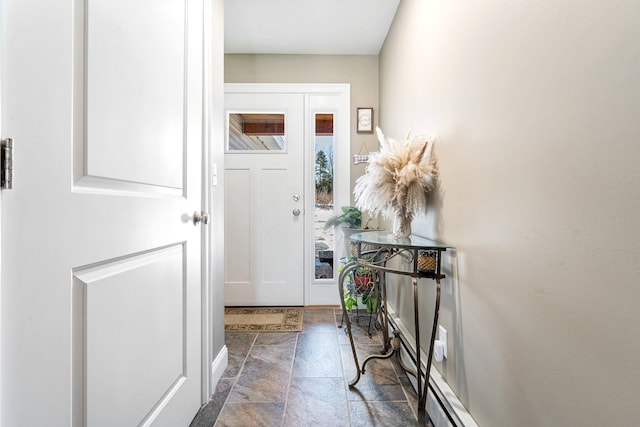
(238, 346)
(317, 402)
(263, 380)
(381, 414)
(372, 392)
(362, 351)
(411, 394)
(251, 414)
(276, 338)
(317, 355)
(265, 375)
(365, 350)
(363, 331)
(409, 391)
(381, 371)
(379, 382)
(208, 414)
(319, 320)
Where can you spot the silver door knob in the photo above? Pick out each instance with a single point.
(296, 197)
(199, 217)
(296, 212)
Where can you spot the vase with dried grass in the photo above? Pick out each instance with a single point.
(398, 180)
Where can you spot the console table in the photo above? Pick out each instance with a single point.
(421, 259)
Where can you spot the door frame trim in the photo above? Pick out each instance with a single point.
(214, 351)
(315, 294)
(206, 307)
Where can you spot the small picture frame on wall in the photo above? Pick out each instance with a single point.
(365, 120)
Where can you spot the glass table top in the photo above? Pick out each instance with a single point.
(385, 238)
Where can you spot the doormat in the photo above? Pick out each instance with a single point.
(263, 319)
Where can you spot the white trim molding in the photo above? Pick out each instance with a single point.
(446, 410)
(219, 365)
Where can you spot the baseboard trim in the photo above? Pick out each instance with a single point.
(443, 406)
(218, 366)
(327, 306)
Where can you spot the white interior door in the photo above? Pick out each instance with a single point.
(264, 203)
(100, 259)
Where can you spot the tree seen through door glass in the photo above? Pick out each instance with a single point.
(324, 239)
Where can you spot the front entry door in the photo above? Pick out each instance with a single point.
(264, 205)
(101, 268)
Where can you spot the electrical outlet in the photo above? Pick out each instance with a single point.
(442, 336)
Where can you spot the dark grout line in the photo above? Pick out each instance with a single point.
(293, 362)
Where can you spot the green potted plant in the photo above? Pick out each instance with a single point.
(364, 280)
(362, 277)
(349, 222)
(351, 216)
(361, 285)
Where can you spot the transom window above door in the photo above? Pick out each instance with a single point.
(256, 132)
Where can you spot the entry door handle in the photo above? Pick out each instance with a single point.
(296, 212)
(199, 217)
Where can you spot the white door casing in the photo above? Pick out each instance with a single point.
(318, 98)
(101, 267)
(263, 235)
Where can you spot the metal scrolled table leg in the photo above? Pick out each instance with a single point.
(416, 319)
(422, 403)
(345, 315)
(394, 346)
(382, 310)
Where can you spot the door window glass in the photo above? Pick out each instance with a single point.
(324, 240)
(256, 132)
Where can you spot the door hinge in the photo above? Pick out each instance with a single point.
(6, 164)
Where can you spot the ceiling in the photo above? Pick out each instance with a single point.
(322, 27)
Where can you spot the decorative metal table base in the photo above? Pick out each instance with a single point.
(411, 251)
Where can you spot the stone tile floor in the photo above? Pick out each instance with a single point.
(301, 379)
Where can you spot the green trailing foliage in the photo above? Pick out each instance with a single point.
(351, 216)
(371, 302)
(349, 300)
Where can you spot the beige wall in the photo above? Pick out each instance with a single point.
(359, 71)
(537, 108)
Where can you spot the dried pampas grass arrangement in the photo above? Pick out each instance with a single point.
(398, 180)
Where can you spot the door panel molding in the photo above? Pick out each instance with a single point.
(107, 76)
(115, 303)
(238, 244)
(113, 79)
(101, 185)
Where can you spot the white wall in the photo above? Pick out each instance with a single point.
(216, 296)
(537, 108)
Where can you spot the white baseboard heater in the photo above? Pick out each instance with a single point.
(443, 406)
